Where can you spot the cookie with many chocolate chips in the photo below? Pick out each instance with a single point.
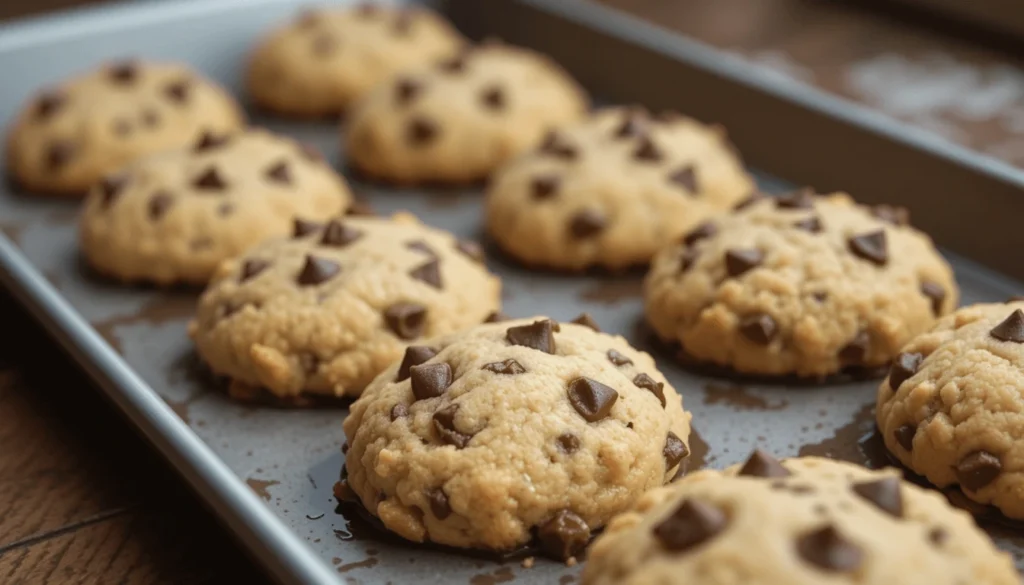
(952, 409)
(800, 285)
(70, 135)
(325, 59)
(324, 311)
(173, 217)
(460, 119)
(806, 521)
(635, 184)
(528, 430)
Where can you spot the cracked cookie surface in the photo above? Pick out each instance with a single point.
(483, 438)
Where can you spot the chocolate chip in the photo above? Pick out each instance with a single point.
(739, 261)
(406, 90)
(210, 141)
(421, 132)
(883, 493)
(895, 215)
(587, 321)
(854, 352)
(802, 199)
(430, 273)
(544, 187)
(48, 104)
(675, 450)
(904, 435)
(439, 503)
(648, 383)
(828, 550)
(324, 44)
(688, 257)
(317, 271)
(564, 535)
(761, 464)
(209, 180)
(456, 64)
(471, 249)
(159, 203)
(399, 411)
(634, 123)
(761, 329)
(556, 146)
(904, 366)
(591, 399)
(302, 227)
(820, 296)
(123, 73)
(508, 367)
(938, 536)
(110, 187)
(538, 335)
(872, 247)
(339, 235)
(811, 224)
(279, 173)
(691, 524)
(496, 317)
(252, 267)
(618, 359)
(406, 320)
(493, 98)
(430, 380)
(421, 246)
(444, 424)
(686, 177)
(178, 91)
(701, 232)
(977, 470)
(648, 151)
(59, 154)
(1011, 329)
(750, 200)
(414, 356)
(936, 293)
(587, 224)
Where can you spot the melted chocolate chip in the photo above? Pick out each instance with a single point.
(811, 224)
(904, 435)
(587, 321)
(538, 335)
(429, 272)
(936, 293)
(938, 536)
(1011, 329)
(802, 199)
(421, 246)
(872, 247)
(493, 98)
(406, 90)
(124, 73)
(903, 367)
(701, 232)
(338, 235)
(761, 464)
(554, 145)
(509, 367)
(634, 124)
(827, 549)
(568, 442)
(210, 141)
(883, 493)
(406, 320)
(471, 249)
(302, 227)
(252, 268)
(317, 270)
(48, 104)
(414, 355)
(740, 261)
(687, 258)
(430, 380)
(587, 224)
(891, 214)
(456, 64)
(279, 173)
(761, 329)
(675, 450)
(178, 91)
(750, 200)
(648, 151)
(544, 187)
(444, 424)
(159, 203)
(439, 505)
(854, 352)
(209, 180)
(648, 383)
(110, 187)
(686, 178)
(399, 411)
(691, 524)
(591, 399)
(59, 154)
(618, 359)
(564, 535)
(421, 132)
(977, 470)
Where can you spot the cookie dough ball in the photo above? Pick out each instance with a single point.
(461, 119)
(326, 59)
(322, 313)
(799, 285)
(484, 438)
(68, 137)
(613, 190)
(805, 521)
(952, 410)
(173, 217)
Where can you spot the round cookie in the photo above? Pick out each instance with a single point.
(326, 59)
(806, 521)
(799, 285)
(173, 217)
(323, 312)
(613, 190)
(952, 410)
(68, 137)
(459, 120)
(488, 437)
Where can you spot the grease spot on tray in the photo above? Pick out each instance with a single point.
(261, 487)
(502, 575)
(158, 311)
(610, 292)
(738, 397)
(856, 441)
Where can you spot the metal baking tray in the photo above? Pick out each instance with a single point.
(267, 473)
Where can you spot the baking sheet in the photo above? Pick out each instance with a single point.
(290, 459)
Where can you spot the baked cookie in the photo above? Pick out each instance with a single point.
(462, 118)
(487, 438)
(805, 521)
(799, 285)
(325, 59)
(952, 410)
(69, 136)
(173, 217)
(613, 190)
(323, 312)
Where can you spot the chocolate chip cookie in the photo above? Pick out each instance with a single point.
(613, 190)
(806, 521)
(69, 136)
(460, 119)
(324, 311)
(952, 410)
(173, 217)
(799, 285)
(325, 59)
(510, 431)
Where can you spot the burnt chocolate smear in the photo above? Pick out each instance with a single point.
(613, 291)
(261, 486)
(363, 564)
(501, 575)
(856, 441)
(738, 397)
